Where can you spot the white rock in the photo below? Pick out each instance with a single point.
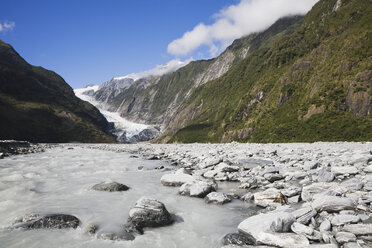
(368, 169)
(270, 229)
(333, 204)
(341, 170)
(309, 191)
(358, 229)
(217, 198)
(345, 237)
(343, 219)
(302, 229)
(176, 179)
(325, 226)
(269, 197)
(325, 175)
(198, 188)
(210, 174)
(353, 184)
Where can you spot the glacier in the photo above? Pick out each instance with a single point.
(122, 126)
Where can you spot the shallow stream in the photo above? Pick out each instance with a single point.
(60, 180)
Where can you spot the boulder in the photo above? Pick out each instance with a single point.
(325, 175)
(368, 169)
(237, 239)
(325, 226)
(309, 191)
(271, 177)
(353, 184)
(176, 179)
(342, 170)
(272, 229)
(217, 198)
(358, 229)
(333, 204)
(149, 212)
(58, 221)
(198, 188)
(269, 197)
(110, 187)
(345, 237)
(301, 229)
(343, 219)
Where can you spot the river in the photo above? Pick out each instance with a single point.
(59, 180)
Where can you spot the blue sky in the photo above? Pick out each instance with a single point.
(93, 41)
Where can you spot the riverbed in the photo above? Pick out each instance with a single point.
(60, 179)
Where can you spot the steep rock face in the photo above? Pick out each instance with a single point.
(315, 80)
(39, 106)
(110, 89)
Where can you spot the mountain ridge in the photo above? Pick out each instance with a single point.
(305, 96)
(37, 105)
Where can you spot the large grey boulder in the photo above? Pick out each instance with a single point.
(149, 212)
(57, 221)
(198, 188)
(302, 229)
(358, 229)
(110, 187)
(269, 197)
(345, 237)
(343, 219)
(308, 192)
(353, 184)
(176, 179)
(342, 170)
(217, 198)
(325, 175)
(333, 203)
(272, 229)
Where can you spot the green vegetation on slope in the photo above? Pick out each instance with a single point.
(37, 105)
(313, 84)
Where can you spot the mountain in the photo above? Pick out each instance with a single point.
(156, 99)
(313, 83)
(37, 105)
(304, 79)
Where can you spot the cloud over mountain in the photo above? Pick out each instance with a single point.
(6, 26)
(235, 21)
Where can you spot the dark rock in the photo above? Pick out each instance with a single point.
(237, 239)
(110, 187)
(149, 212)
(58, 221)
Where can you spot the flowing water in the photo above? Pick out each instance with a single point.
(60, 180)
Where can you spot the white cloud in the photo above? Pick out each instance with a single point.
(235, 21)
(7, 26)
(158, 70)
